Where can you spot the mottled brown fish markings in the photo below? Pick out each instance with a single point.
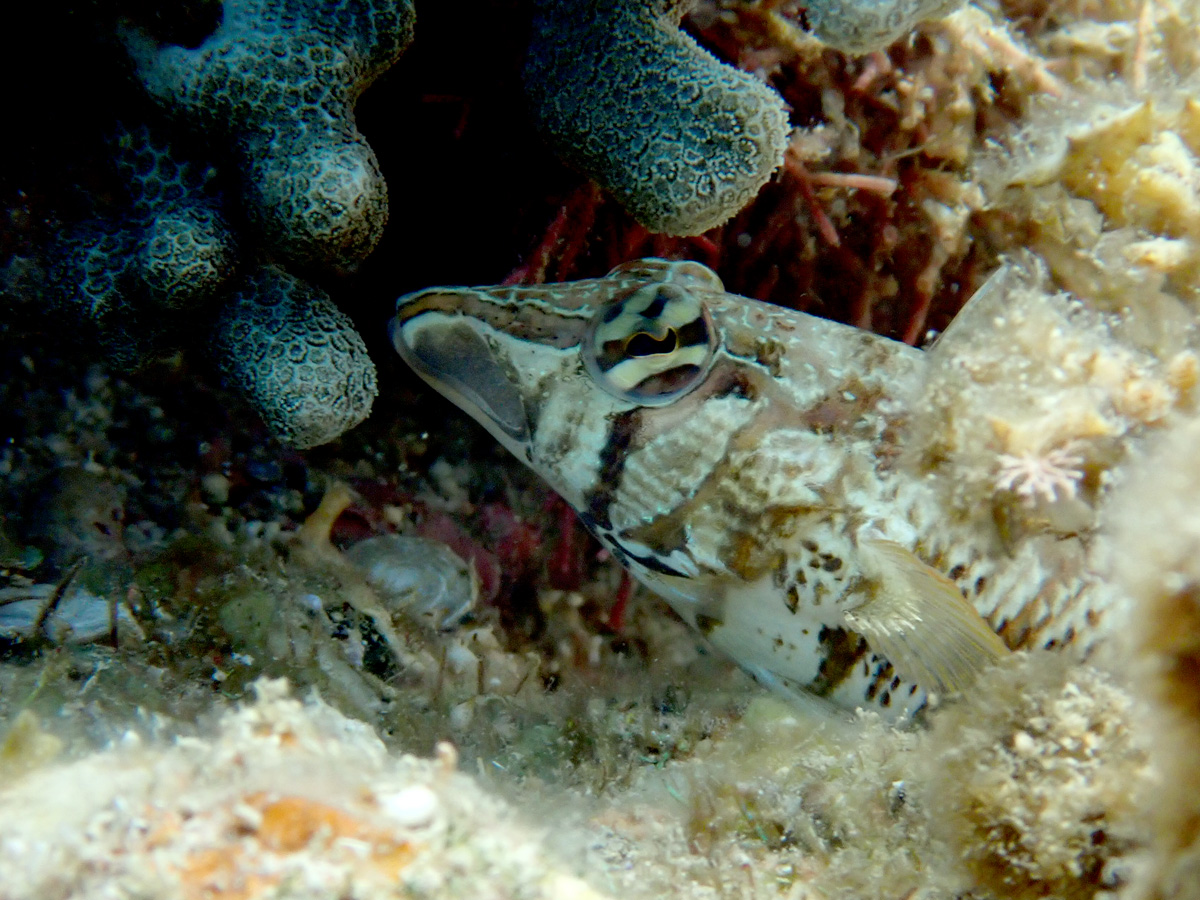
(747, 464)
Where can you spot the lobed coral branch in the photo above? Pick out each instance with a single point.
(679, 139)
(276, 83)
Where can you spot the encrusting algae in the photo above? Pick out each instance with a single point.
(1030, 788)
(1155, 547)
(283, 799)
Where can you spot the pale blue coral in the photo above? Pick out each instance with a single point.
(131, 276)
(680, 139)
(276, 85)
(295, 356)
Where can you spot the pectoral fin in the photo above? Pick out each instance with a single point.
(920, 621)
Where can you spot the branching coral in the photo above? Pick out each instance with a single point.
(132, 277)
(296, 357)
(277, 83)
(682, 141)
(153, 278)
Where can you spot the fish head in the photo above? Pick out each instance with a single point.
(557, 373)
(639, 395)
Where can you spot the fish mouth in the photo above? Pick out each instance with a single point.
(445, 347)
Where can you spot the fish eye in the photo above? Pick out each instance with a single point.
(652, 345)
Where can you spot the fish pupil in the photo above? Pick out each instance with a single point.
(644, 344)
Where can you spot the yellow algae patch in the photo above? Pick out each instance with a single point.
(267, 836)
(1155, 532)
(26, 745)
(1140, 167)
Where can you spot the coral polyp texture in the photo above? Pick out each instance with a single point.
(186, 252)
(140, 280)
(132, 277)
(681, 140)
(276, 83)
(295, 356)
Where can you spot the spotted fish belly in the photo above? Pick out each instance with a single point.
(747, 464)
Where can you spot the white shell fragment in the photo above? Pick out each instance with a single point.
(414, 806)
(79, 617)
(418, 575)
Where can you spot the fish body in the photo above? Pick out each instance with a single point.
(747, 464)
